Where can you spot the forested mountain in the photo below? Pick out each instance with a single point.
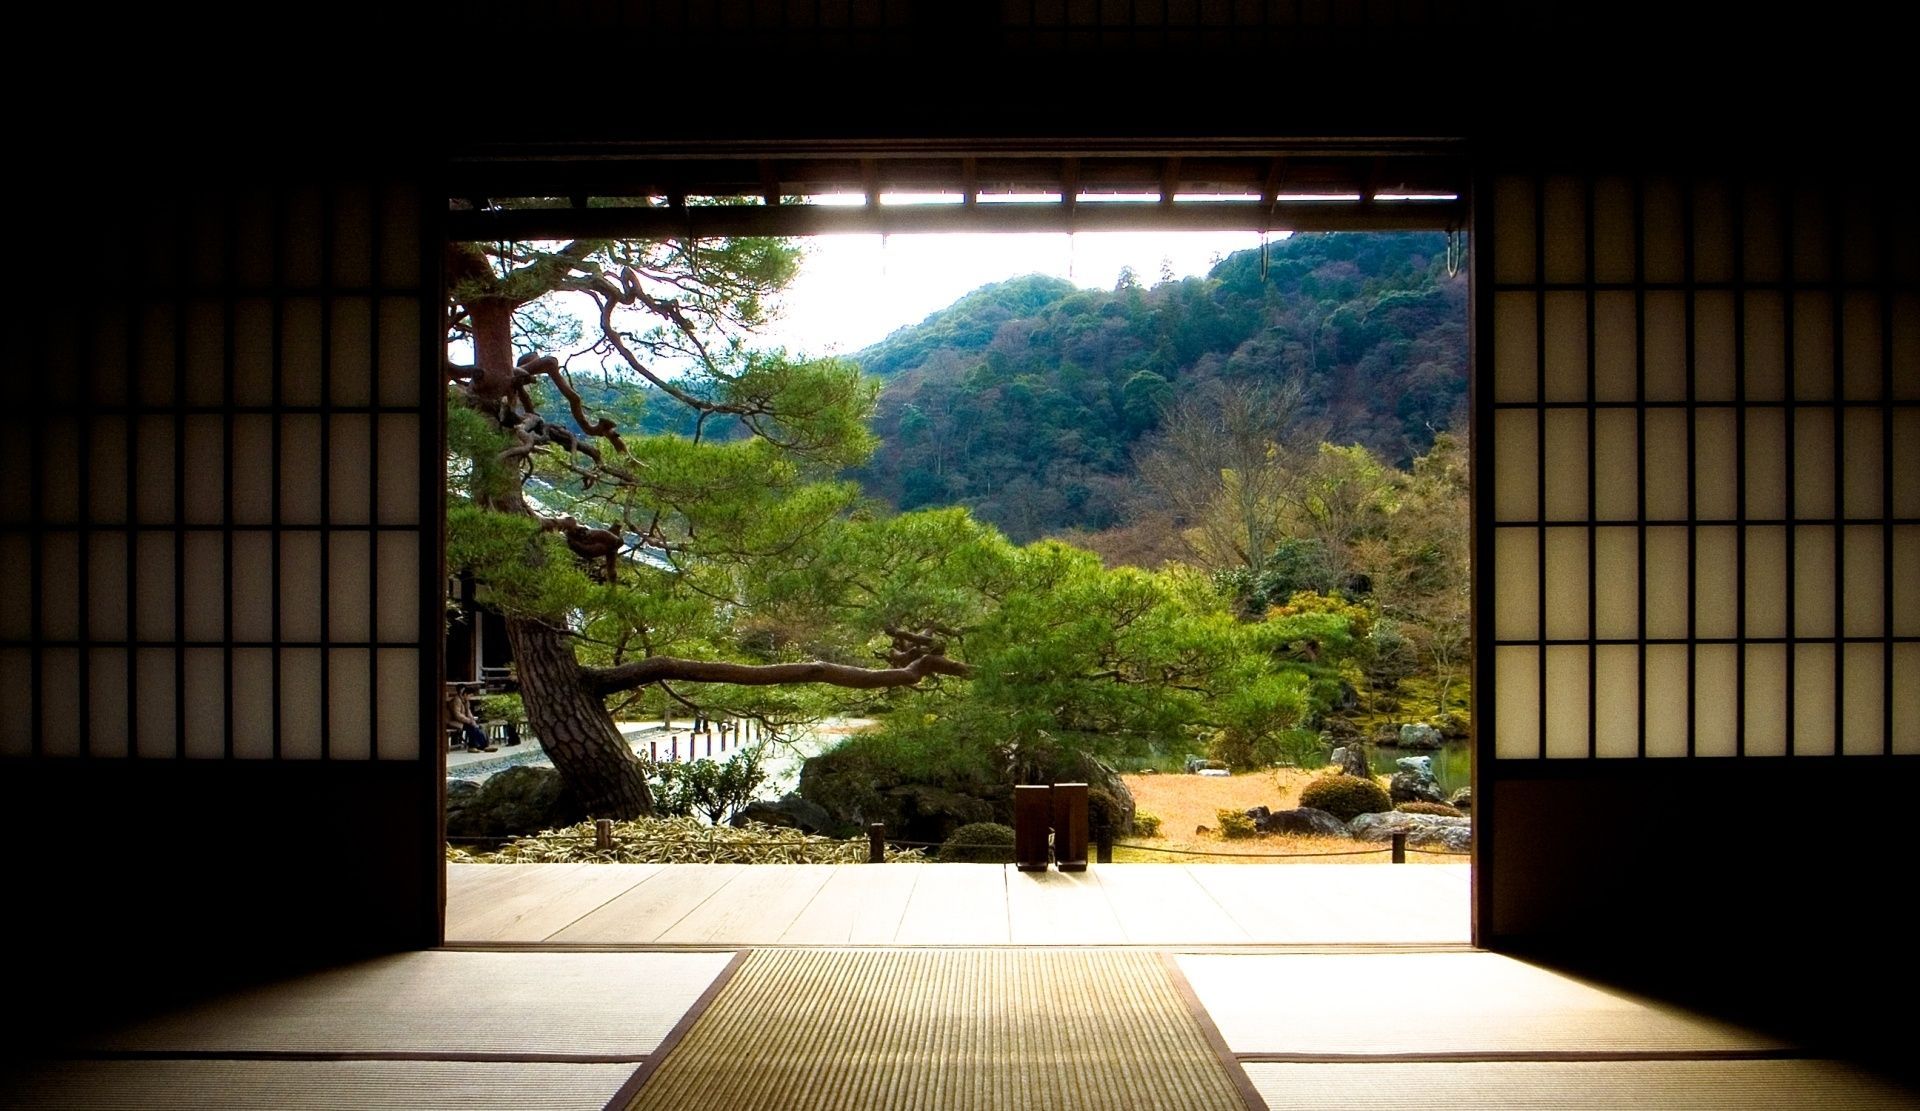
(1025, 400)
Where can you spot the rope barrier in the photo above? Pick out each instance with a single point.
(1436, 852)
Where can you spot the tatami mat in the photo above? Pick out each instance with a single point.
(796, 1029)
(253, 1085)
(1775, 1085)
(1462, 1003)
(545, 1004)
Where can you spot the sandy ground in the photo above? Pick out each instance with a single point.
(1186, 802)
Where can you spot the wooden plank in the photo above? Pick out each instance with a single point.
(1353, 903)
(957, 904)
(652, 906)
(1060, 908)
(539, 900)
(860, 904)
(756, 908)
(1160, 904)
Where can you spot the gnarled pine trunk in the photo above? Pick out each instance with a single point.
(573, 724)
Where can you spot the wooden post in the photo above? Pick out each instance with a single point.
(1032, 815)
(1103, 846)
(675, 753)
(653, 751)
(1399, 848)
(1070, 826)
(709, 745)
(877, 843)
(603, 834)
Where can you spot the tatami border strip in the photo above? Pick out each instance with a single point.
(457, 1056)
(1542, 1056)
(1243, 1083)
(631, 1089)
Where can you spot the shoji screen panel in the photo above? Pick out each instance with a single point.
(1705, 398)
(217, 528)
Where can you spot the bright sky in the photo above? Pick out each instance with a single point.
(855, 289)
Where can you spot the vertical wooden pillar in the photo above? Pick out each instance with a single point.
(1032, 815)
(1070, 826)
(877, 843)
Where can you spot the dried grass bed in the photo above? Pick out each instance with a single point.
(679, 841)
(1183, 802)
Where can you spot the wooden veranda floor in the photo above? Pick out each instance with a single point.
(656, 905)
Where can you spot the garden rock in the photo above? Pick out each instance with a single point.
(1352, 760)
(929, 813)
(790, 811)
(1461, 799)
(1304, 819)
(1421, 766)
(1423, 830)
(1413, 787)
(510, 803)
(1420, 736)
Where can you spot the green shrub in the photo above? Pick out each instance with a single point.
(1346, 797)
(1104, 813)
(1145, 824)
(1235, 825)
(1421, 807)
(979, 843)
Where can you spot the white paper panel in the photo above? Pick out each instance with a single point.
(253, 237)
(1812, 346)
(1864, 486)
(1566, 702)
(1566, 585)
(252, 470)
(1666, 251)
(1666, 465)
(1616, 465)
(299, 246)
(1515, 352)
(1566, 229)
(253, 724)
(1716, 578)
(206, 675)
(1906, 699)
(1865, 224)
(349, 705)
(206, 471)
(156, 379)
(60, 702)
(1615, 362)
(1716, 462)
(1516, 492)
(400, 224)
(401, 729)
(59, 588)
(399, 370)
(1766, 346)
(1767, 581)
(349, 586)
(1864, 597)
(253, 351)
(107, 491)
(1666, 346)
(1766, 699)
(109, 352)
(1813, 462)
(1668, 678)
(1566, 460)
(1812, 235)
(1516, 687)
(1906, 463)
(1813, 691)
(300, 586)
(300, 697)
(154, 471)
(1667, 602)
(205, 581)
(350, 468)
(1766, 433)
(16, 689)
(1761, 223)
(399, 587)
(206, 353)
(59, 470)
(206, 239)
(1861, 347)
(1513, 239)
(398, 447)
(1613, 243)
(154, 704)
(107, 703)
(1617, 700)
(1864, 720)
(300, 351)
(1713, 345)
(16, 497)
(1566, 378)
(153, 602)
(300, 469)
(16, 588)
(1616, 583)
(1813, 581)
(1906, 346)
(1715, 701)
(353, 222)
(1516, 584)
(352, 351)
(1713, 232)
(252, 586)
(1906, 581)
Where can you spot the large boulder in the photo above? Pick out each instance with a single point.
(1421, 766)
(790, 810)
(1413, 787)
(510, 803)
(923, 812)
(1423, 830)
(1461, 799)
(1351, 759)
(1420, 736)
(1303, 819)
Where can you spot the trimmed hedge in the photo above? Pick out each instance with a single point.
(979, 843)
(1346, 797)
